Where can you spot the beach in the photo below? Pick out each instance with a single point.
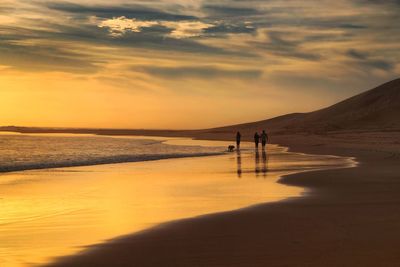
(54, 212)
(198, 133)
(349, 217)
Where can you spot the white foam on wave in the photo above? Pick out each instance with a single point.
(26, 152)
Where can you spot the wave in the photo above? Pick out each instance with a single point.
(101, 161)
(30, 152)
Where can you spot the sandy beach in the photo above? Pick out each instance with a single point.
(61, 211)
(350, 217)
(199, 133)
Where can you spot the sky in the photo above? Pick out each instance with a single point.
(183, 64)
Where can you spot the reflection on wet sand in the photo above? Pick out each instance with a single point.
(56, 212)
(239, 163)
(259, 169)
(257, 166)
(264, 168)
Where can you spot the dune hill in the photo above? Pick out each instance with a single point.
(375, 110)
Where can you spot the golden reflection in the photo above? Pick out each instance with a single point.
(263, 169)
(239, 163)
(57, 212)
(257, 161)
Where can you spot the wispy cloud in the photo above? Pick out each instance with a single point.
(119, 26)
(201, 72)
(178, 29)
(366, 61)
(230, 11)
(135, 11)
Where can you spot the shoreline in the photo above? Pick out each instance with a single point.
(134, 158)
(111, 159)
(79, 206)
(349, 217)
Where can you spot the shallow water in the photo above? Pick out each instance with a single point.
(55, 212)
(39, 151)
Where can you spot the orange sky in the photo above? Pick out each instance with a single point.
(188, 64)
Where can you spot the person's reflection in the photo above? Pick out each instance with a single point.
(257, 166)
(239, 163)
(264, 168)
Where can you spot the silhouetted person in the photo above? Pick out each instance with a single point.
(238, 137)
(264, 139)
(256, 139)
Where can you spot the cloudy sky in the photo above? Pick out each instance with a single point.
(188, 63)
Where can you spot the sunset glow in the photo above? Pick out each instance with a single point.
(188, 64)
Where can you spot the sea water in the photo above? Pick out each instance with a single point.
(55, 212)
(40, 151)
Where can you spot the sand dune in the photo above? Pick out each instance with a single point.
(375, 110)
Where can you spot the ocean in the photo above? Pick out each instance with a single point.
(27, 152)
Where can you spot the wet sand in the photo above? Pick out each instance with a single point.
(350, 217)
(56, 212)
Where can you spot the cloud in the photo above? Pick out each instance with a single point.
(283, 44)
(179, 29)
(379, 2)
(46, 58)
(275, 34)
(381, 64)
(122, 10)
(119, 26)
(186, 29)
(5, 8)
(224, 10)
(357, 54)
(226, 28)
(365, 60)
(203, 72)
(351, 26)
